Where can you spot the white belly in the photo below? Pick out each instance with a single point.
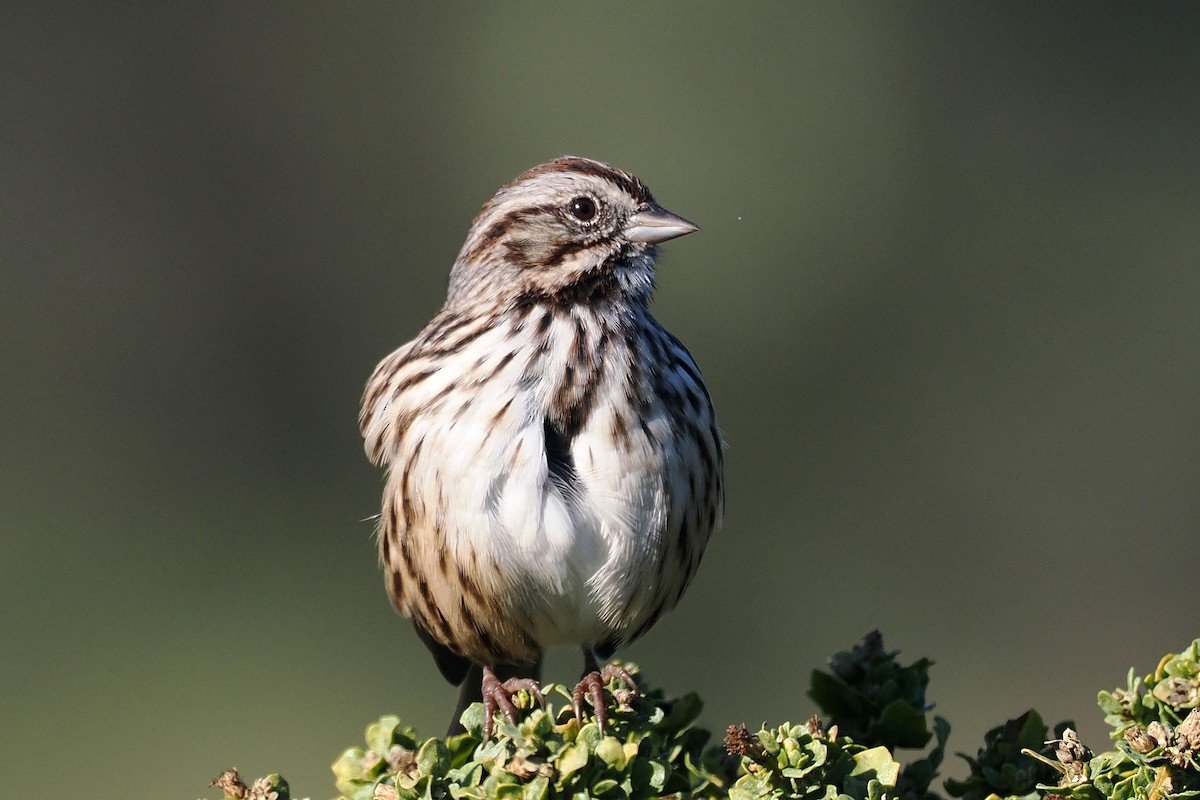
(586, 553)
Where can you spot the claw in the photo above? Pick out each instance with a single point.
(591, 686)
(497, 695)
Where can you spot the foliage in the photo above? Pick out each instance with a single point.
(649, 749)
(876, 704)
(874, 699)
(1156, 725)
(1001, 767)
(1161, 697)
(802, 761)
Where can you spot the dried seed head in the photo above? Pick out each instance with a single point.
(1072, 756)
(1188, 731)
(1139, 740)
(522, 767)
(401, 759)
(1069, 750)
(1160, 733)
(231, 784)
(740, 742)
(370, 761)
(1124, 699)
(263, 789)
(1176, 691)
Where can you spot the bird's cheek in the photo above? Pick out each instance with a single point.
(521, 253)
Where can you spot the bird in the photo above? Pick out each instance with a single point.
(553, 465)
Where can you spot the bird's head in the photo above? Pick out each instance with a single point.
(570, 230)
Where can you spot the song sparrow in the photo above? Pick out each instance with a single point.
(554, 469)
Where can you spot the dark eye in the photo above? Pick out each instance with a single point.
(582, 209)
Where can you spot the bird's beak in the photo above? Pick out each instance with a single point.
(655, 224)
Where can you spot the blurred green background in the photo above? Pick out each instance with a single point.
(945, 297)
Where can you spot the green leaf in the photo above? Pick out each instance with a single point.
(604, 786)
(833, 696)
(468, 775)
(493, 753)
(753, 787)
(648, 772)
(379, 733)
(572, 758)
(357, 789)
(279, 786)
(537, 789)
(610, 751)
(901, 725)
(589, 735)
(876, 790)
(462, 748)
(877, 760)
(433, 758)
(510, 791)
(348, 767)
(472, 719)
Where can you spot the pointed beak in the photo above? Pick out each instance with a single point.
(655, 224)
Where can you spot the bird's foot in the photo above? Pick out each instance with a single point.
(591, 686)
(497, 695)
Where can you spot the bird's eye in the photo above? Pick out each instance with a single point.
(582, 209)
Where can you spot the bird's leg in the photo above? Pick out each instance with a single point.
(591, 686)
(468, 693)
(498, 695)
(483, 685)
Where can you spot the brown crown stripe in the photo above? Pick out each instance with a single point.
(583, 166)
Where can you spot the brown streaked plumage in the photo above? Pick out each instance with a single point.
(554, 469)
